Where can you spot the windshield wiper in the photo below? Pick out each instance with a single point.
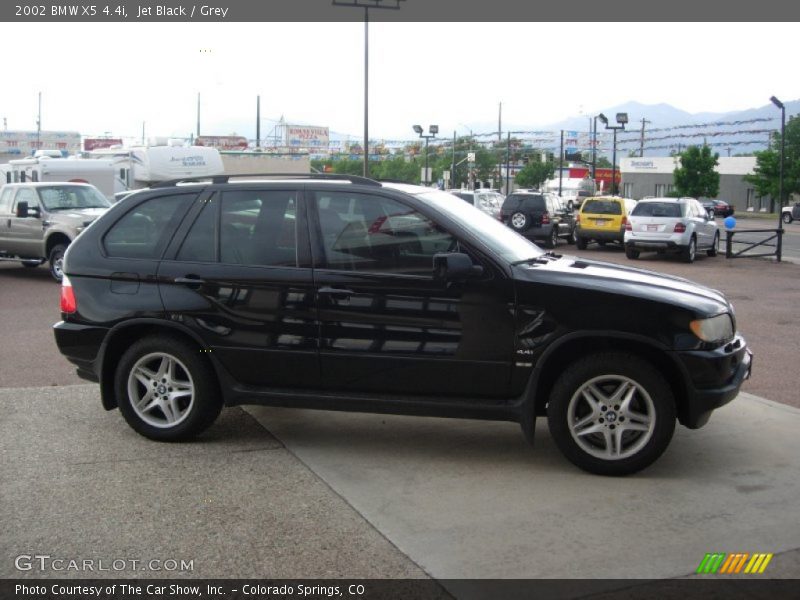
(542, 259)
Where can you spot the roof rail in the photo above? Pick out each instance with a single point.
(224, 178)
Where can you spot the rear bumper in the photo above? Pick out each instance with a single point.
(717, 376)
(665, 245)
(80, 344)
(600, 235)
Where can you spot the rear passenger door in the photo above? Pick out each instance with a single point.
(239, 275)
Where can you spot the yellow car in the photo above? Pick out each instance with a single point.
(602, 219)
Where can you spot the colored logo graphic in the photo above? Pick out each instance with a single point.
(720, 563)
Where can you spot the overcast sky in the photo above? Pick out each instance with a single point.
(110, 78)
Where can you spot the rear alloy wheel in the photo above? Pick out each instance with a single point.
(56, 260)
(552, 239)
(690, 252)
(714, 246)
(519, 221)
(611, 414)
(631, 253)
(165, 390)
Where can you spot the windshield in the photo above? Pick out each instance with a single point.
(499, 238)
(67, 197)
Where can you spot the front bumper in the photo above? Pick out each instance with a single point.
(715, 378)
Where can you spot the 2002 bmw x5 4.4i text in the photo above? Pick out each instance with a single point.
(349, 294)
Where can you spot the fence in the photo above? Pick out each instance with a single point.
(749, 244)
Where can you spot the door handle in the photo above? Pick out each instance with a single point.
(189, 280)
(336, 292)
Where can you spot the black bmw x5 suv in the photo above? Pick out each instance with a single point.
(349, 294)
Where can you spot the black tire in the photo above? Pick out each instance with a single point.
(787, 217)
(56, 260)
(570, 206)
(714, 246)
(689, 253)
(519, 221)
(572, 238)
(631, 253)
(581, 243)
(188, 393)
(638, 428)
(552, 239)
(31, 264)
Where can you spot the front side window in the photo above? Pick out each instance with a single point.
(29, 196)
(377, 234)
(146, 229)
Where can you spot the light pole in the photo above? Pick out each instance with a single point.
(366, 5)
(780, 105)
(434, 129)
(622, 118)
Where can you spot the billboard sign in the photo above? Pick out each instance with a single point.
(307, 136)
(222, 142)
(90, 144)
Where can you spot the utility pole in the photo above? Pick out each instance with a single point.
(508, 165)
(641, 140)
(453, 170)
(499, 142)
(561, 163)
(39, 125)
(198, 114)
(258, 121)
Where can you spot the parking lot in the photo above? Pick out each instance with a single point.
(292, 493)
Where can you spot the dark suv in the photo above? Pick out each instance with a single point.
(347, 294)
(540, 216)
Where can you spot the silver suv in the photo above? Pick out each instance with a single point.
(39, 220)
(678, 225)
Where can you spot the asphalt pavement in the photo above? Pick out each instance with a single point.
(290, 493)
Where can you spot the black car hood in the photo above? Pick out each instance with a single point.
(571, 271)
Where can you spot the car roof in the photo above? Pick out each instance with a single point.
(46, 184)
(665, 199)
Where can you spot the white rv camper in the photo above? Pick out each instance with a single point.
(43, 167)
(139, 167)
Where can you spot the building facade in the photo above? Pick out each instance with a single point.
(653, 176)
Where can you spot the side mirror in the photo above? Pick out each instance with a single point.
(710, 215)
(22, 210)
(454, 266)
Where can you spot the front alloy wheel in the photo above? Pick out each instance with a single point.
(611, 414)
(56, 260)
(787, 217)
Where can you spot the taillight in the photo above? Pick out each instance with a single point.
(577, 218)
(625, 221)
(628, 227)
(68, 303)
(679, 228)
(545, 218)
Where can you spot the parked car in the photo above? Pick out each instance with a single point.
(718, 208)
(679, 225)
(342, 293)
(539, 216)
(790, 213)
(488, 201)
(602, 219)
(38, 221)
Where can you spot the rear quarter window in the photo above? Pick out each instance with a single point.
(144, 231)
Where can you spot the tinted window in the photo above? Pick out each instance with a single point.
(200, 243)
(465, 197)
(259, 227)
(372, 233)
(602, 207)
(144, 231)
(657, 209)
(534, 203)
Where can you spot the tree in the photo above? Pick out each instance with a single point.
(766, 175)
(696, 176)
(534, 174)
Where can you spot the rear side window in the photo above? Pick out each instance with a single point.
(602, 207)
(146, 229)
(535, 203)
(657, 209)
(259, 227)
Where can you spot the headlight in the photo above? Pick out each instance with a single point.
(715, 329)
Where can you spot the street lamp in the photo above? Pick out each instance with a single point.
(433, 129)
(366, 5)
(622, 118)
(780, 105)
